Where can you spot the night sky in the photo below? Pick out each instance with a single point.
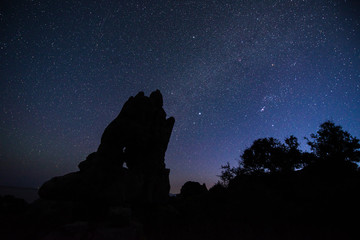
(229, 71)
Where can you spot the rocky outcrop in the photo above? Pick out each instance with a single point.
(192, 189)
(138, 138)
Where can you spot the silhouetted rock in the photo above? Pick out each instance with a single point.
(192, 189)
(138, 136)
(218, 188)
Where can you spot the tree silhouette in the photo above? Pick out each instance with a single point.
(227, 174)
(262, 156)
(293, 158)
(332, 143)
(269, 155)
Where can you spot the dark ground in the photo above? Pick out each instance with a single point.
(310, 204)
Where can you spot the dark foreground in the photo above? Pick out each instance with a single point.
(301, 206)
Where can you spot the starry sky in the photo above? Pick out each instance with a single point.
(230, 72)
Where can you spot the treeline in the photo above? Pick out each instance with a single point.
(332, 148)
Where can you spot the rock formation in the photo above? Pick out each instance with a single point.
(137, 137)
(192, 189)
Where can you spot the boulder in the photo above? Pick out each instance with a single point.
(192, 189)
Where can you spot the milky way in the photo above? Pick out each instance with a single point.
(230, 72)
